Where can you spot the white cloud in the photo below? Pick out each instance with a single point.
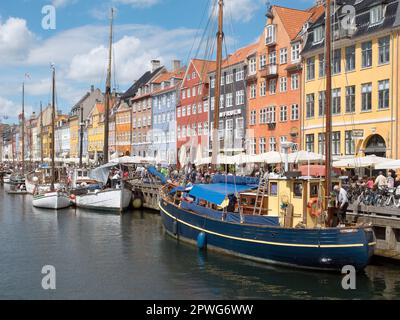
(15, 40)
(242, 10)
(63, 3)
(138, 3)
(132, 53)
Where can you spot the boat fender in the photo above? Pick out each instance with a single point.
(201, 241)
(175, 227)
(72, 197)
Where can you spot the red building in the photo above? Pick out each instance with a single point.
(192, 111)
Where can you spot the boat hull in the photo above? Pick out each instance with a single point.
(107, 200)
(52, 200)
(322, 249)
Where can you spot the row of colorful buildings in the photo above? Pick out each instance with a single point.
(272, 92)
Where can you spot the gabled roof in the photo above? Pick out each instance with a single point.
(166, 76)
(292, 19)
(203, 67)
(145, 78)
(240, 55)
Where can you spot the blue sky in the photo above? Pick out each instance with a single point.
(144, 30)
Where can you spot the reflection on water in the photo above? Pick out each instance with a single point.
(106, 256)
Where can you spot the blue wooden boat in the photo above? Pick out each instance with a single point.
(261, 238)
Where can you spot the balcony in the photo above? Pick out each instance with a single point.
(269, 71)
(251, 77)
(343, 33)
(271, 125)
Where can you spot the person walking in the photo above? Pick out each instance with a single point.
(381, 180)
(342, 203)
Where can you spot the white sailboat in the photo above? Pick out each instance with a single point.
(53, 199)
(113, 199)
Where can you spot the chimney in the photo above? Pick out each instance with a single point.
(176, 65)
(155, 64)
(92, 88)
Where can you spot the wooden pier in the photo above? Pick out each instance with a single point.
(386, 224)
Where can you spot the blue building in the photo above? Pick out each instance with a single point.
(164, 101)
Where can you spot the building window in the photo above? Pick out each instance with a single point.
(271, 114)
(263, 145)
(350, 146)
(283, 84)
(212, 83)
(376, 15)
(321, 143)
(336, 101)
(222, 101)
(295, 112)
(318, 34)
(283, 114)
(229, 78)
(205, 128)
(189, 110)
(239, 128)
(311, 68)
(272, 86)
(253, 146)
(310, 142)
(283, 56)
(205, 106)
(272, 57)
(295, 81)
(350, 99)
(240, 98)
(384, 50)
(253, 117)
(321, 103)
(337, 61)
(384, 88)
(199, 108)
(366, 54)
(212, 103)
(322, 65)
(310, 106)
(336, 143)
(366, 100)
(194, 110)
(239, 75)
(296, 52)
(229, 100)
(253, 65)
(263, 88)
(263, 61)
(350, 58)
(253, 91)
(263, 116)
(272, 144)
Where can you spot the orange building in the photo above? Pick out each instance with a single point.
(274, 81)
(123, 132)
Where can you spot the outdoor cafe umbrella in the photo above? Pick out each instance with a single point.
(361, 162)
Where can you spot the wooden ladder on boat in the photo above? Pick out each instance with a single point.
(262, 192)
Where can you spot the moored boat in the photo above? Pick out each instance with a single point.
(52, 200)
(116, 200)
(198, 217)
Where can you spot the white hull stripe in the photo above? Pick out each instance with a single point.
(265, 242)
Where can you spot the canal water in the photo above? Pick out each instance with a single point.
(104, 256)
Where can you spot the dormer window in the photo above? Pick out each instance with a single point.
(270, 34)
(376, 15)
(318, 34)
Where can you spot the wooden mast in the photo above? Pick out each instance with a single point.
(108, 94)
(81, 125)
(220, 38)
(328, 101)
(23, 128)
(53, 119)
(41, 133)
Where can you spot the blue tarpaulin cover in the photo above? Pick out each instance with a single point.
(217, 192)
(152, 170)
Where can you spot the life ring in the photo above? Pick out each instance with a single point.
(314, 207)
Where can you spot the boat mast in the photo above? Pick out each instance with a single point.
(53, 119)
(41, 133)
(328, 101)
(23, 128)
(108, 94)
(220, 39)
(81, 124)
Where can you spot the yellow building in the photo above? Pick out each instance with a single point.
(96, 130)
(365, 82)
(74, 135)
